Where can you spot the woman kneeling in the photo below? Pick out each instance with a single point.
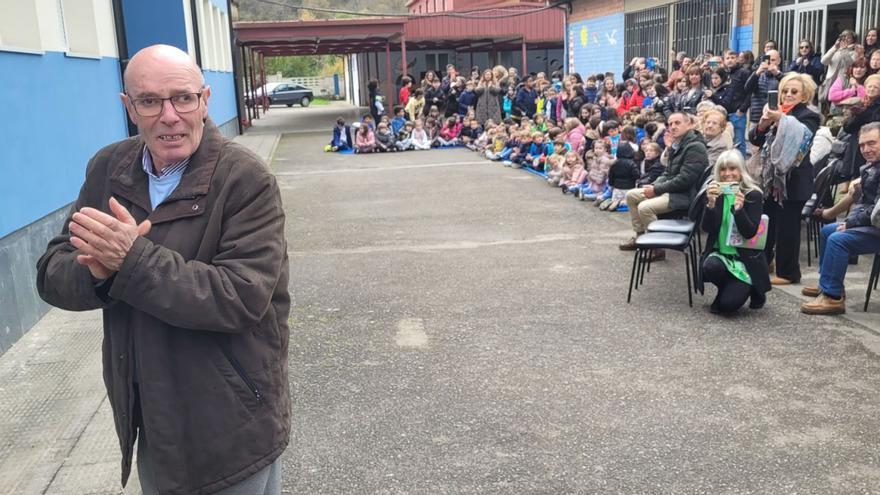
(733, 211)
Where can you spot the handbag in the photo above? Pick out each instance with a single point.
(735, 239)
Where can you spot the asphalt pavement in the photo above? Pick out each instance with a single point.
(461, 327)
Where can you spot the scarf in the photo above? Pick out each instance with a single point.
(724, 251)
(786, 145)
(786, 108)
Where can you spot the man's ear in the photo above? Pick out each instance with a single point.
(126, 102)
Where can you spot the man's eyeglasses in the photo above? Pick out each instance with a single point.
(152, 106)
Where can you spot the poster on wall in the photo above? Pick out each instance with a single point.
(596, 45)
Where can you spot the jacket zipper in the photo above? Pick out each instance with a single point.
(241, 374)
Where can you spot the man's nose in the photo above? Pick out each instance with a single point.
(168, 111)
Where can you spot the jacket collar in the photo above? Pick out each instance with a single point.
(129, 180)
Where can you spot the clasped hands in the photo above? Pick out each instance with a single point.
(105, 240)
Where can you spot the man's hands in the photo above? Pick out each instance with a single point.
(648, 191)
(103, 240)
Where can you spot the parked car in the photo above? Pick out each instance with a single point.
(290, 93)
(268, 87)
(283, 93)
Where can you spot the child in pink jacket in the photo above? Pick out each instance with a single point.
(365, 140)
(450, 132)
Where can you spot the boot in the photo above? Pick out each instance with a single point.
(629, 245)
(657, 255)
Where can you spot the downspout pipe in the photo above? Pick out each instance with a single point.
(734, 20)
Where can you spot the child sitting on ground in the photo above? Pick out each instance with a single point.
(622, 177)
(365, 142)
(404, 137)
(385, 138)
(399, 120)
(341, 140)
(611, 133)
(555, 173)
(450, 132)
(433, 131)
(519, 152)
(470, 132)
(599, 161)
(420, 139)
(573, 173)
(535, 156)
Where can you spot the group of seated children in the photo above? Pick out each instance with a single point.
(597, 162)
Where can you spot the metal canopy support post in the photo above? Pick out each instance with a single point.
(253, 84)
(403, 67)
(525, 59)
(248, 91)
(263, 81)
(389, 77)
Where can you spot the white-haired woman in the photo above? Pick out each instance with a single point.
(734, 202)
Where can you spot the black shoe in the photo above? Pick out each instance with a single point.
(757, 301)
(715, 307)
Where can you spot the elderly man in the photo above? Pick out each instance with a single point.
(856, 235)
(178, 236)
(765, 78)
(677, 186)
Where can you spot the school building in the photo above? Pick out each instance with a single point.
(61, 64)
(604, 35)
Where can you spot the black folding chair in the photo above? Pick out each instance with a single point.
(682, 242)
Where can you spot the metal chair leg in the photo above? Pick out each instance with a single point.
(872, 280)
(632, 276)
(809, 241)
(687, 272)
(643, 265)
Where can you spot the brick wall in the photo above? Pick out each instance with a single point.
(582, 10)
(746, 11)
(596, 45)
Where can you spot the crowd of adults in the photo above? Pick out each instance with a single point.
(745, 136)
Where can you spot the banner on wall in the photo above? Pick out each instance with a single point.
(596, 45)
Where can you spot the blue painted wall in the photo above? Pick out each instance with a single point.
(596, 45)
(742, 38)
(156, 21)
(57, 112)
(221, 105)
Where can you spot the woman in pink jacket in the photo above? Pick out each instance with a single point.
(365, 140)
(849, 88)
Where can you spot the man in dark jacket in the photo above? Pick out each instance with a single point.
(735, 101)
(178, 236)
(677, 185)
(854, 236)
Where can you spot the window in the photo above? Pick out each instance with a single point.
(80, 27)
(19, 27)
(214, 37)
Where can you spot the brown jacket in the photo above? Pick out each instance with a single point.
(199, 307)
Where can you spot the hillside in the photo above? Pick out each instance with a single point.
(254, 10)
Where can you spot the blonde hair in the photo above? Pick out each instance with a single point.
(872, 78)
(733, 158)
(806, 82)
(499, 72)
(571, 123)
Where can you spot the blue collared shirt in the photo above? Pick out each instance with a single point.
(163, 184)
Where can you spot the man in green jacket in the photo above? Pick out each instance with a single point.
(178, 236)
(677, 186)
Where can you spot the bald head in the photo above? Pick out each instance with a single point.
(164, 58)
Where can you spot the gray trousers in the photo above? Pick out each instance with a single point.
(267, 481)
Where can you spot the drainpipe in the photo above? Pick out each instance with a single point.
(734, 20)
